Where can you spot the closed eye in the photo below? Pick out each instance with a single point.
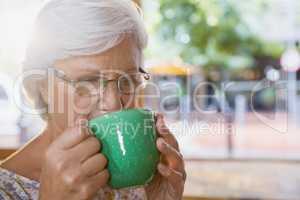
(89, 78)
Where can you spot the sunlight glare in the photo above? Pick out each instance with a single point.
(16, 27)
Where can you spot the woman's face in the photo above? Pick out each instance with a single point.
(67, 100)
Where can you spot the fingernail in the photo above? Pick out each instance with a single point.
(163, 128)
(90, 132)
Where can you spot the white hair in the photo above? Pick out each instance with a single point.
(67, 28)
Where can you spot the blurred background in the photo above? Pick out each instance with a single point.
(228, 77)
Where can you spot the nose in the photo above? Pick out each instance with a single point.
(111, 100)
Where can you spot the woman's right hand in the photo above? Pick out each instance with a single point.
(73, 168)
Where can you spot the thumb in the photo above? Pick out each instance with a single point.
(81, 121)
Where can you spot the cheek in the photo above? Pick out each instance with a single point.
(58, 98)
(66, 101)
(83, 105)
(57, 105)
(63, 101)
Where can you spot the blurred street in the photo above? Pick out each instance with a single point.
(257, 138)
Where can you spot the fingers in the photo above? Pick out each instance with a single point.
(72, 136)
(168, 146)
(87, 148)
(94, 165)
(172, 175)
(98, 181)
(170, 154)
(93, 185)
(164, 131)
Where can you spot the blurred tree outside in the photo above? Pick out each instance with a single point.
(213, 34)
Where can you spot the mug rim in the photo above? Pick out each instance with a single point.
(123, 110)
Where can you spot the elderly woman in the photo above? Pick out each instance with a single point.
(77, 43)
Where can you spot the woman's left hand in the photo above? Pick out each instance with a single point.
(168, 183)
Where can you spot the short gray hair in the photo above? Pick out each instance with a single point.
(67, 28)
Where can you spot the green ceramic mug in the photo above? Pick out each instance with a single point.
(128, 139)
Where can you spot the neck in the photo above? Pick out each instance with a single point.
(28, 160)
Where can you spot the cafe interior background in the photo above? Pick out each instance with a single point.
(228, 79)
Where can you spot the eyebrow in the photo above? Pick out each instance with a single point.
(141, 70)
